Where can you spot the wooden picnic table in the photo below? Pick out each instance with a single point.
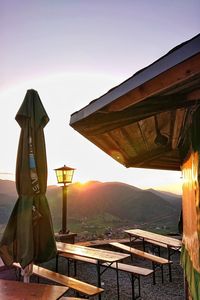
(93, 253)
(173, 245)
(10, 289)
(147, 235)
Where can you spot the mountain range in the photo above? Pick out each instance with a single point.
(111, 203)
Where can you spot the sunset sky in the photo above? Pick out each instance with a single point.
(72, 52)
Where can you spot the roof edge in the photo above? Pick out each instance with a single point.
(175, 56)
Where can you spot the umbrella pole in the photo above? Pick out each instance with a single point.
(26, 279)
(26, 272)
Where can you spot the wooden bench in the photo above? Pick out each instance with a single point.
(157, 245)
(157, 261)
(104, 242)
(77, 285)
(134, 271)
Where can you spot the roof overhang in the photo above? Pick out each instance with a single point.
(140, 122)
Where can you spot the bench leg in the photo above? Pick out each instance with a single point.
(156, 249)
(143, 243)
(162, 273)
(159, 250)
(75, 268)
(170, 273)
(154, 270)
(139, 286)
(133, 279)
(169, 265)
(131, 257)
(18, 274)
(99, 277)
(133, 286)
(117, 272)
(130, 240)
(57, 263)
(154, 275)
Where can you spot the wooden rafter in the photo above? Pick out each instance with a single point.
(162, 83)
(148, 156)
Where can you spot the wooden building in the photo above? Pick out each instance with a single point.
(152, 120)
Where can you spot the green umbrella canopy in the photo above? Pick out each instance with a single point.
(29, 235)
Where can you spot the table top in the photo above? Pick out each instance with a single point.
(89, 252)
(18, 290)
(169, 241)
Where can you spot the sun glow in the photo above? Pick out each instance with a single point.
(63, 94)
(81, 184)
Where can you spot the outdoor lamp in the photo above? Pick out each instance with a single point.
(64, 176)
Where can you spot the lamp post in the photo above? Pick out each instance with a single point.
(64, 176)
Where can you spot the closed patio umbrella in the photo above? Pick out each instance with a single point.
(29, 235)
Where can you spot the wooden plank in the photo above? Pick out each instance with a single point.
(103, 242)
(130, 269)
(70, 282)
(99, 254)
(161, 244)
(154, 258)
(169, 241)
(78, 257)
(10, 289)
(121, 266)
(156, 243)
